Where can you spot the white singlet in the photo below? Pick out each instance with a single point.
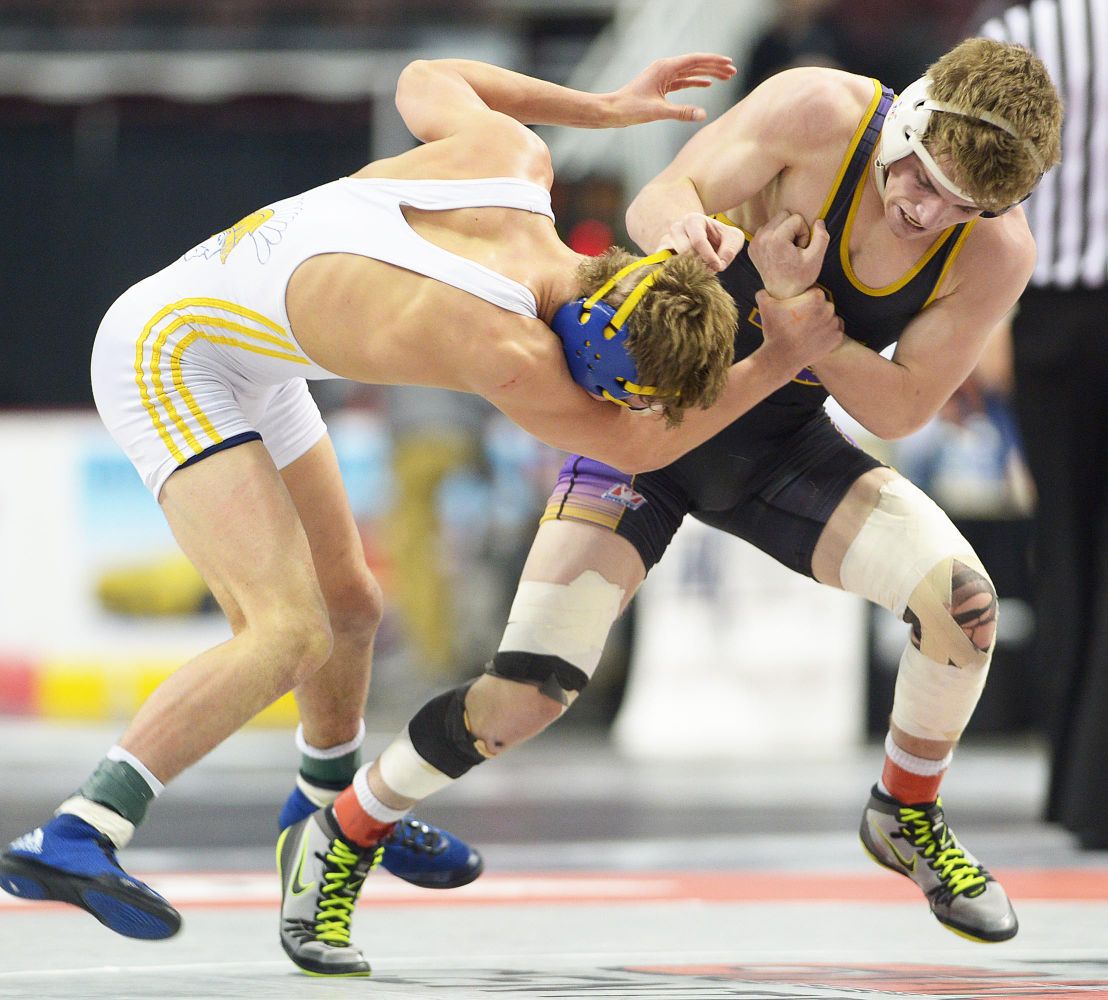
(201, 356)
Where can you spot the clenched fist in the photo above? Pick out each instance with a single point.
(787, 255)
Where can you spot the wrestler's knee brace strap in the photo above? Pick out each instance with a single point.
(550, 674)
(903, 559)
(556, 634)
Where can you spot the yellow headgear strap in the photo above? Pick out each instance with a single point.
(625, 310)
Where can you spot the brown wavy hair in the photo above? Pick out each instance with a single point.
(681, 335)
(980, 74)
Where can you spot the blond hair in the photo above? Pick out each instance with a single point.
(1009, 81)
(681, 335)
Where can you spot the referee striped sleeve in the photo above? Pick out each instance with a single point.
(1068, 214)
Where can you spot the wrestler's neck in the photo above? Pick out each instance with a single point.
(558, 283)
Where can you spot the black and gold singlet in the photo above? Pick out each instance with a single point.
(873, 316)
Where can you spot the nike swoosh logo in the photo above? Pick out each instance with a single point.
(297, 886)
(910, 864)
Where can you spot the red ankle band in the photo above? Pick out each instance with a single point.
(910, 788)
(357, 826)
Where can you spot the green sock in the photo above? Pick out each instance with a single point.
(117, 785)
(334, 773)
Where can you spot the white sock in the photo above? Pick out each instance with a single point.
(369, 802)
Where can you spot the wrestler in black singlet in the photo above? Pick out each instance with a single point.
(776, 474)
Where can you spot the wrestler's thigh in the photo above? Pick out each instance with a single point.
(316, 487)
(563, 550)
(601, 518)
(233, 517)
(788, 514)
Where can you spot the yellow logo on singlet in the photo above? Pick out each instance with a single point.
(240, 230)
(264, 229)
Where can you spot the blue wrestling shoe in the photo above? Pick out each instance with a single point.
(415, 851)
(72, 862)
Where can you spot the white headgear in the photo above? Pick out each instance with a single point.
(906, 124)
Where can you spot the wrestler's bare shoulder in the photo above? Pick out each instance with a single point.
(803, 120)
(999, 254)
(818, 107)
(496, 146)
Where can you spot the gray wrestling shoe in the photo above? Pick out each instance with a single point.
(916, 842)
(321, 876)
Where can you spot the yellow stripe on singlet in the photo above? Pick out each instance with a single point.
(845, 165)
(568, 511)
(144, 393)
(954, 251)
(896, 286)
(277, 337)
(728, 221)
(178, 376)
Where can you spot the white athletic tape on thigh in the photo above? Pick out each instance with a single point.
(934, 701)
(570, 621)
(329, 753)
(117, 829)
(408, 774)
(903, 538)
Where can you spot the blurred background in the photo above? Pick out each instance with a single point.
(133, 129)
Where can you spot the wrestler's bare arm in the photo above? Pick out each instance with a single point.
(553, 408)
(939, 348)
(470, 115)
(736, 157)
(437, 97)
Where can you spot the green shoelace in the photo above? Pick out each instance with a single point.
(342, 882)
(934, 841)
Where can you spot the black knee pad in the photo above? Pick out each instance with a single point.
(439, 734)
(552, 675)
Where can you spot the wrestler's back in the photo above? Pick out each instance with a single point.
(372, 321)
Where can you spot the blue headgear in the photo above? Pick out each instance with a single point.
(594, 338)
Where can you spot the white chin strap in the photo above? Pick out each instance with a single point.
(906, 124)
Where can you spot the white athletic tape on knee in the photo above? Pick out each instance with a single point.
(903, 557)
(941, 637)
(570, 621)
(407, 773)
(117, 829)
(904, 537)
(932, 700)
